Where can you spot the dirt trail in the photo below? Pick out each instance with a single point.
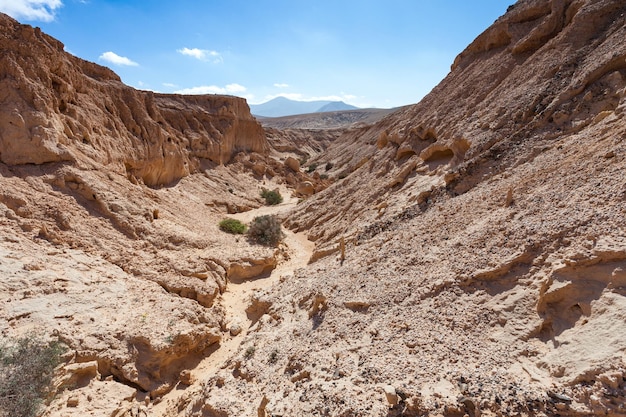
(236, 299)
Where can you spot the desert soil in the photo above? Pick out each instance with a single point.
(237, 299)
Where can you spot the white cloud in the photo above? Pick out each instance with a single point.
(114, 58)
(30, 9)
(232, 89)
(202, 54)
(170, 85)
(281, 85)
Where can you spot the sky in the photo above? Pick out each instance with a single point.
(368, 53)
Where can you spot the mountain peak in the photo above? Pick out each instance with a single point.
(282, 106)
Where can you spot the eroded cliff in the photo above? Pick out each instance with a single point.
(56, 107)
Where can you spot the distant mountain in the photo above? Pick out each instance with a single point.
(336, 106)
(281, 106)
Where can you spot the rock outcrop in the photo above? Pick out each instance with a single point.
(56, 107)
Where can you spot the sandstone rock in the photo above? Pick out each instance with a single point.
(509, 197)
(305, 188)
(382, 141)
(406, 170)
(186, 377)
(249, 268)
(293, 164)
(78, 374)
(390, 395)
(259, 169)
(235, 329)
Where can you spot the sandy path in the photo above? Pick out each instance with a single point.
(237, 297)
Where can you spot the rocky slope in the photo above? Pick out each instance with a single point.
(329, 120)
(471, 260)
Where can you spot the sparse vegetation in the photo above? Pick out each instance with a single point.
(273, 358)
(271, 197)
(249, 352)
(266, 230)
(232, 226)
(27, 367)
(311, 168)
(329, 166)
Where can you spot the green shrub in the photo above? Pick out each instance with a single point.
(232, 226)
(26, 371)
(249, 353)
(311, 168)
(266, 230)
(271, 197)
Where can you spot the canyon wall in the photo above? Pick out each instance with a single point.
(56, 107)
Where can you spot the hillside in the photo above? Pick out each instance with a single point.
(461, 256)
(483, 233)
(327, 120)
(282, 106)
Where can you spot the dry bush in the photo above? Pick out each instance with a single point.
(271, 197)
(266, 230)
(26, 371)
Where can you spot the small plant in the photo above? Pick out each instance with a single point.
(266, 230)
(271, 197)
(249, 352)
(26, 369)
(329, 166)
(170, 338)
(273, 357)
(311, 168)
(232, 226)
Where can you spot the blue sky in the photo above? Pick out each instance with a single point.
(369, 53)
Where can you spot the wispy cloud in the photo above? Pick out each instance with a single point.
(202, 54)
(233, 89)
(170, 85)
(115, 59)
(281, 85)
(30, 9)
